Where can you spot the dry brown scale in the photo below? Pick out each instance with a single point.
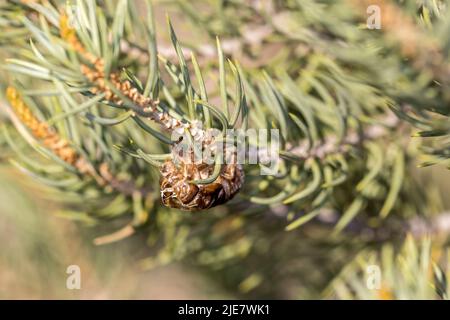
(177, 190)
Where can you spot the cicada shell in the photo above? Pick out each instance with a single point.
(178, 192)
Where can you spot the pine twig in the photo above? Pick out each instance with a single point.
(61, 148)
(179, 184)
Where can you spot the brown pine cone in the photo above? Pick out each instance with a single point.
(177, 192)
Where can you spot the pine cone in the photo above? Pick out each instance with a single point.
(178, 192)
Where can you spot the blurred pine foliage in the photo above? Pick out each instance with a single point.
(91, 84)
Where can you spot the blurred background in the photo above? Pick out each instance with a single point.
(37, 246)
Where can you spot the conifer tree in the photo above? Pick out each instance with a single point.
(95, 92)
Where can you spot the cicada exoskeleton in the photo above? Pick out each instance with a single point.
(178, 191)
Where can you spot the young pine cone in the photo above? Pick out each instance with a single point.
(178, 192)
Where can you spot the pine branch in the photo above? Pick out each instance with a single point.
(176, 180)
(328, 87)
(62, 148)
